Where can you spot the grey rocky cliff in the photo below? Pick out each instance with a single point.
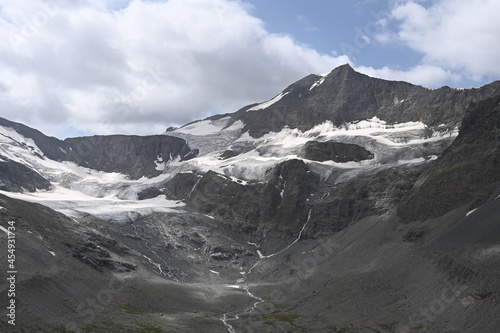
(334, 151)
(136, 156)
(16, 177)
(181, 185)
(52, 148)
(347, 96)
(467, 173)
(277, 209)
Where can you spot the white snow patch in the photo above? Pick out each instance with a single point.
(317, 83)
(233, 286)
(9, 135)
(204, 127)
(209, 135)
(470, 212)
(418, 160)
(268, 103)
(253, 244)
(73, 203)
(239, 181)
(283, 190)
(161, 164)
(388, 142)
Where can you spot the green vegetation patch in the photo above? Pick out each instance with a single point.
(146, 328)
(389, 327)
(438, 176)
(286, 317)
(129, 308)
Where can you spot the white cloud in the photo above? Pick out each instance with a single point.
(425, 75)
(140, 66)
(457, 35)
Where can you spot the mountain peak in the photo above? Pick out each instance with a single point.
(345, 95)
(346, 72)
(344, 67)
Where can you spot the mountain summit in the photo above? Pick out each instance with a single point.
(344, 96)
(346, 203)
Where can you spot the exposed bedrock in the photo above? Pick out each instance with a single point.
(334, 151)
(16, 177)
(278, 208)
(467, 173)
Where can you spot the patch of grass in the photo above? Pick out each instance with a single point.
(106, 327)
(147, 328)
(129, 308)
(386, 240)
(286, 317)
(279, 305)
(416, 234)
(373, 329)
(446, 173)
(62, 330)
(339, 330)
(391, 327)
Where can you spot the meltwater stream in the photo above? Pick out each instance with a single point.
(235, 315)
(152, 262)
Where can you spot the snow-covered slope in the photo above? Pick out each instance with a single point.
(76, 189)
(79, 189)
(342, 108)
(391, 144)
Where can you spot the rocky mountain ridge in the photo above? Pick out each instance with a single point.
(344, 204)
(344, 96)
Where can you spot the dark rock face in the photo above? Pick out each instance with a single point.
(285, 198)
(16, 177)
(149, 193)
(277, 208)
(221, 197)
(99, 259)
(347, 96)
(52, 147)
(190, 155)
(180, 185)
(228, 154)
(468, 171)
(132, 155)
(91, 252)
(335, 207)
(334, 151)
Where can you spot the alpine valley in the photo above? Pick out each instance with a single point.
(344, 204)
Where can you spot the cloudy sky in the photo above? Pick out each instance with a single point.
(81, 67)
